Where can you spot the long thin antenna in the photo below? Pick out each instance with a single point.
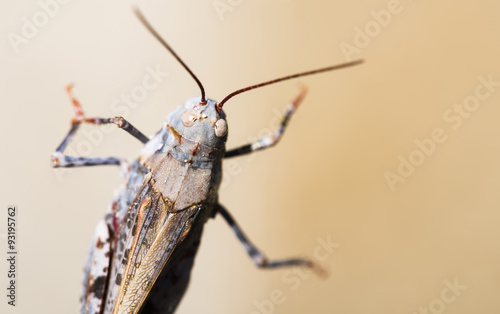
(330, 68)
(164, 43)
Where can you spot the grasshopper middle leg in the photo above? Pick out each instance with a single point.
(270, 139)
(61, 160)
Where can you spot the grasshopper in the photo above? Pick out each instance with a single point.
(143, 249)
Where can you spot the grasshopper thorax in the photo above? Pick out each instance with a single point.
(200, 122)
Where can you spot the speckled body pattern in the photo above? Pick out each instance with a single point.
(143, 251)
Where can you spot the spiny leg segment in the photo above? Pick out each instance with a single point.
(61, 160)
(271, 139)
(258, 257)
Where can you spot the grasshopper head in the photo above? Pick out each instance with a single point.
(200, 122)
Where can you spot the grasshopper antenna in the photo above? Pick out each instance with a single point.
(164, 43)
(284, 78)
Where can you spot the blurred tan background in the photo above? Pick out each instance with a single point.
(397, 245)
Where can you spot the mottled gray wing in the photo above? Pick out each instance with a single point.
(154, 234)
(173, 281)
(122, 245)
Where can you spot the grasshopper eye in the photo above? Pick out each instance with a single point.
(189, 118)
(220, 128)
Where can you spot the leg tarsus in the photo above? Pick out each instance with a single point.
(259, 258)
(61, 160)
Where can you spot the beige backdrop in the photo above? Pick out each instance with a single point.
(396, 162)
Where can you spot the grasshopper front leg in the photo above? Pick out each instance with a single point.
(270, 139)
(259, 259)
(61, 160)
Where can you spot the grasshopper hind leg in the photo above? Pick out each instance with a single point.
(61, 160)
(258, 257)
